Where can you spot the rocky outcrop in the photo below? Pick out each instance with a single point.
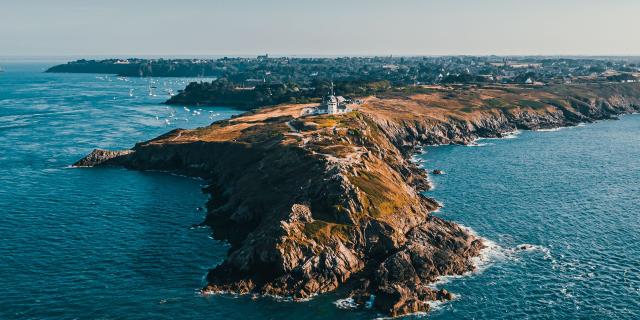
(99, 157)
(401, 282)
(311, 204)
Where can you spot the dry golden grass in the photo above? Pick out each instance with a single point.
(293, 110)
(437, 103)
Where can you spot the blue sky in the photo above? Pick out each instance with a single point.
(329, 27)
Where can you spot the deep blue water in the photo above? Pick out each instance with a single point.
(575, 195)
(110, 243)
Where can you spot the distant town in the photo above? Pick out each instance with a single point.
(398, 70)
(265, 80)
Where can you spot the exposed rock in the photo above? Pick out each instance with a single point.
(339, 203)
(437, 171)
(99, 157)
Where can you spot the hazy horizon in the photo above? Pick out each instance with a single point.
(198, 28)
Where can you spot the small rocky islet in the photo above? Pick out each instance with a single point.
(311, 203)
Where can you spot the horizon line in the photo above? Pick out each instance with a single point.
(303, 55)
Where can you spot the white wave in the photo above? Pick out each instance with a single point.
(550, 129)
(287, 298)
(417, 159)
(437, 304)
(433, 305)
(511, 135)
(346, 303)
(525, 247)
(505, 135)
(415, 314)
(206, 293)
(490, 254)
(440, 204)
(476, 144)
(580, 124)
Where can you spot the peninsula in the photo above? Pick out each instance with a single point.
(311, 203)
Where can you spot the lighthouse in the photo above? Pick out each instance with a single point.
(331, 102)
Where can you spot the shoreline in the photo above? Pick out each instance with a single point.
(317, 165)
(493, 252)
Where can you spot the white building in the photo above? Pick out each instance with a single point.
(331, 104)
(334, 104)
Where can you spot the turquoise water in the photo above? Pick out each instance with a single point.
(106, 243)
(110, 243)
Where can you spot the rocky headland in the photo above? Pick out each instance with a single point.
(313, 203)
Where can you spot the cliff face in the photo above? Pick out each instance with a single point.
(309, 204)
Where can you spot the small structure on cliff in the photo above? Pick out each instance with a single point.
(331, 104)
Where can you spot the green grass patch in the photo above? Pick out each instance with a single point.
(322, 231)
(495, 103)
(532, 104)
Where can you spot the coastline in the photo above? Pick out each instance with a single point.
(493, 252)
(398, 136)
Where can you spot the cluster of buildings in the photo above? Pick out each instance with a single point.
(401, 71)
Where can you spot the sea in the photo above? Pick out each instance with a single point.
(559, 210)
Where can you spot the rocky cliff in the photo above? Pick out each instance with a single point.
(312, 203)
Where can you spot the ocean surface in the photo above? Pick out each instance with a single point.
(111, 243)
(573, 197)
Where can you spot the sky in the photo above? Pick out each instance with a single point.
(322, 27)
